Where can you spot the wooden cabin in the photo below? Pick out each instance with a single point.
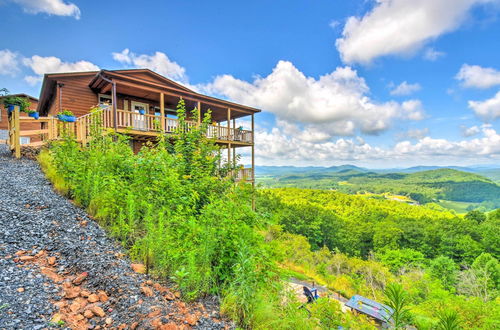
(137, 100)
(4, 120)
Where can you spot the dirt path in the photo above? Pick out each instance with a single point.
(59, 269)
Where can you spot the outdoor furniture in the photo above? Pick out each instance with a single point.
(311, 294)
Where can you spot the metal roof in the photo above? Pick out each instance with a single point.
(371, 308)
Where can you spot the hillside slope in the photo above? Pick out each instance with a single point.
(424, 186)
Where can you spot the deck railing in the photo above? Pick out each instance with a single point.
(52, 129)
(152, 123)
(244, 174)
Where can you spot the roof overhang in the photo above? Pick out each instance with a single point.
(129, 85)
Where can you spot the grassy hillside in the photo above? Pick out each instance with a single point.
(424, 187)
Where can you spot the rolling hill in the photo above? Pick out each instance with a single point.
(435, 185)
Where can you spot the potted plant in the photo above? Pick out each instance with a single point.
(66, 116)
(22, 102)
(33, 114)
(142, 111)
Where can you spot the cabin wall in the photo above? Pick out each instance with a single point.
(76, 95)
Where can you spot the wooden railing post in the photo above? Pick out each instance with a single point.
(162, 112)
(253, 163)
(115, 113)
(199, 113)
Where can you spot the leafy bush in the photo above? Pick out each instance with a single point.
(65, 112)
(173, 207)
(23, 103)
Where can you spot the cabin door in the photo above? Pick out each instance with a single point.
(138, 120)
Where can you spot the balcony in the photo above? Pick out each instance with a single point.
(148, 124)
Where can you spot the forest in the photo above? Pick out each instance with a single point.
(175, 206)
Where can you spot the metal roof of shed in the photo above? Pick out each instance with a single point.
(369, 307)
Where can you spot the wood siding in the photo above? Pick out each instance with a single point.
(76, 96)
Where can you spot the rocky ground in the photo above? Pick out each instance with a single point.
(58, 269)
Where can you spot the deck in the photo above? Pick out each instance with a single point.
(146, 126)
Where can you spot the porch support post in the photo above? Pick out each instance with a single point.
(229, 154)
(234, 156)
(199, 113)
(162, 112)
(253, 163)
(228, 124)
(114, 102)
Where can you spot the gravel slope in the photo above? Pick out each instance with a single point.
(38, 224)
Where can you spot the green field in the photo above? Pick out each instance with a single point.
(459, 207)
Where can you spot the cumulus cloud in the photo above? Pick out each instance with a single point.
(275, 146)
(9, 63)
(478, 77)
(51, 7)
(432, 55)
(158, 62)
(400, 27)
(405, 88)
(51, 64)
(414, 134)
(488, 145)
(336, 103)
(470, 131)
(487, 110)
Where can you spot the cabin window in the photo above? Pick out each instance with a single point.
(105, 100)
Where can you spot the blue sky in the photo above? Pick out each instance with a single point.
(374, 83)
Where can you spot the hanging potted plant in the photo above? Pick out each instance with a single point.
(33, 114)
(11, 101)
(66, 116)
(142, 111)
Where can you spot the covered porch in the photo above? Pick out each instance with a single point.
(144, 109)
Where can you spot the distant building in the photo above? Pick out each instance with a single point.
(4, 119)
(379, 312)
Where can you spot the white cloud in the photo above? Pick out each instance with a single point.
(477, 76)
(336, 103)
(276, 147)
(334, 24)
(405, 89)
(8, 63)
(414, 134)
(470, 131)
(400, 27)
(51, 64)
(486, 146)
(487, 110)
(432, 55)
(51, 7)
(158, 62)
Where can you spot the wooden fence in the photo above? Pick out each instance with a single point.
(47, 130)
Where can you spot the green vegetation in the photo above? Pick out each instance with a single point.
(65, 112)
(458, 190)
(177, 209)
(22, 102)
(446, 263)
